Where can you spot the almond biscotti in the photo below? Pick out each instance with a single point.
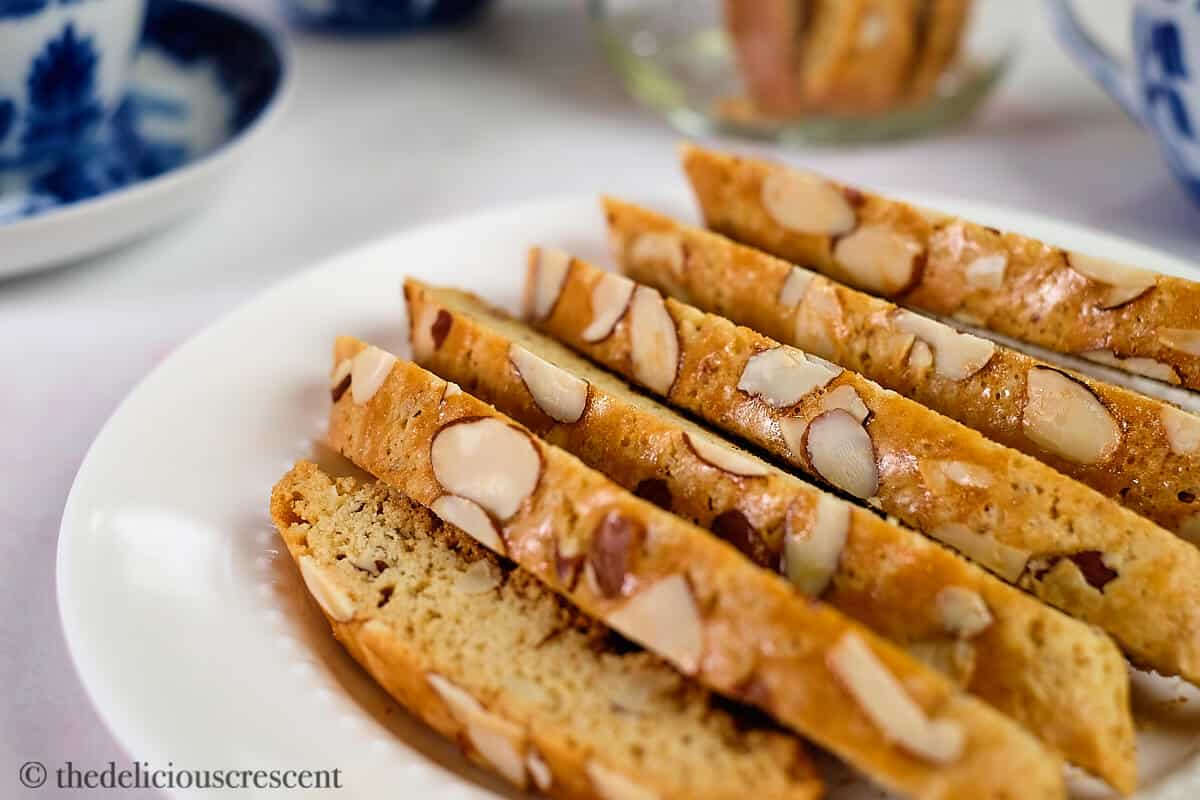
(1063, 680)
(1141, 321)
(1064, 542)
(672, 587)
(1140, 451)
(488, 656)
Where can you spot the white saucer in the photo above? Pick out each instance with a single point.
(190, 630)
(206, 83)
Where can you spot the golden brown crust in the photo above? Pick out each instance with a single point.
(1067, 684)
(1041, 298)
(1064, 542)
(757, 639)
(766, 39)
(863, 333)
(555, 720)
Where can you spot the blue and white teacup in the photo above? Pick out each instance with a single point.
(63, 71)
(1161, 88)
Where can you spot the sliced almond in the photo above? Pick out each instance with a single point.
(539, 770)
(954, 658)
(1181, 339)
(846, 398)
(1138, 366)
(987, 272)
(811, 557)
(663, 618)
(558, 393)
(333, 599)
(610, 785)
(610, 298)
(920, 357)
(494, 738)
(840, 450)
(1064, 416)
(955, 355)
(653, 340)
(487, 461)
(658, 249)
(961, 473)
(548, 274)
(479, 578)
(885, 702)
(806, 203)
(472, 519)
(1182, 429)
(1124, 283)
(422, 333)
(794, 287)
(819, 319)
(368, 372)
(452, 389)
(964, 613)
(783, 375)
(879, 259)
(1006, 561)
(724, 458)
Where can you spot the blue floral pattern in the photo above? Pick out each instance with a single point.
(21, 8)
(7, 112)
(63, 106)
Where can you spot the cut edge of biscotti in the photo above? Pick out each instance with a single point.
(531, 689)
(541, 371)
(816, 221)
(675, 589)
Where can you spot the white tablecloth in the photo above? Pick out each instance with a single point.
(383, 134)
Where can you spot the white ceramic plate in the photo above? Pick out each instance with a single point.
(191, 630)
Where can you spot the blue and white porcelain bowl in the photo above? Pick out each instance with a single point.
(382, 15)
(64, 65)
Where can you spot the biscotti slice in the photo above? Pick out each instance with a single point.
(485, 654)
(765, 35)
(1064, 542)
(676, 589)
(1140, 451)
(1140, 321)
(1060, 678)
(940, 26)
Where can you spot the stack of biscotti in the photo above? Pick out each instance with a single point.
(842, 56)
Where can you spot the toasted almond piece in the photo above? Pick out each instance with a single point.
(1125, 283)
(955, 355)
(1006, 561)
(793, 289)
(1181, 339)
(724, 458)
(610, 785)
(840, 450)
(422, 334)
(496, 739)
(1064, 416)
(783, 375)
(1138, 366)
(485, 460)
(549, 273)
(818, 318)
(806, 203)
(1182, 429)
(479, 578)
(811, 557)
(368, 372)
(653, 339)
(987, 272)
(920, 357)
(539, 770)
(469, 516)
(658, 248)
(885, 702)
(965, 474)
(964, 613)
(879, 259)
(663, 618)
(332, 598)
(954, 658)
(846, 398)
(610, 298)
(452, 389)
(339, 379)
(561, 395)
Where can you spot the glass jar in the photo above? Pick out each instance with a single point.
(809, 70)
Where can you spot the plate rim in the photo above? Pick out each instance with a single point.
(1179, 785)
(210, 162)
